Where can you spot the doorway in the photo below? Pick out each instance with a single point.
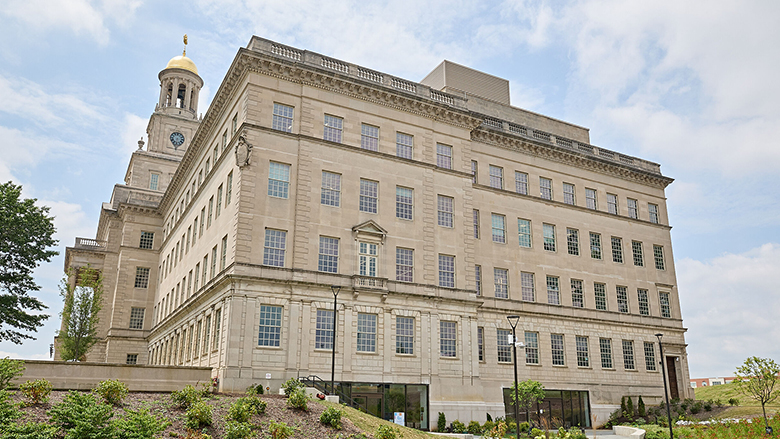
(674, 392)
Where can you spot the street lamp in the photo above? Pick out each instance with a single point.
(666, 392)
(513, 322)
(335, 289)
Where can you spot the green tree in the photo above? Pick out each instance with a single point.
(25, 240)
(527, 394)
(83, 302)
(757, 378)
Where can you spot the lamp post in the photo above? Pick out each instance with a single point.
(513, 322)
(335, 289)
(666, 392)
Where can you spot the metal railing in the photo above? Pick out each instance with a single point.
(322, 385)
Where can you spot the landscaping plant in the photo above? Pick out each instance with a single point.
(140, 424)
(36, 392)
(198, 415)
(238, 430)
(441, 423)
(112, 391)
(387, 432)
(291, 385)
(28, 430)
(332, 416)
(81, 416)
(280, 430)
(299, 399)
(9, 370)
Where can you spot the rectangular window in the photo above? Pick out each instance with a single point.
(205, 269)
(278, 180)
(501, 279)
(368, 259)
(524, 232)
(605, 348)
(632, 210)
(195, 277)
(211, 212)
(217, 326)
(498, 223)
(207, 331)
(553, 291)
(196, 351)
(478, 277)
(582, 351)
(548, 232)
(600, 291)
(448, 339)
(617, 249)
(577, 298)
(666, 309)
(234, 125)
(366, 332)
(194, 231)
(527, 286)
(531, 348)
(447, 271)
(215, 155)
(223, 255)
(132, 359)
(229, 194)
(644, 304)
(331, 189)
(213, 262)
(556, 345)
(147, 240)
(658, 255)
(443, 156)
(573, 241)
(496, 177)
(403, 202)
(445, 210)
(333, 128)
(653, 209)
(270, 326)
(189, 233)
(628, 355)
(545, 188)
(403, 145)
(481, 342)
(207, 167)
(369, 192)
(328, 261)
(568, 194)
(404, 264)
(521, 182)
(476, 224)
(323, 337)
(273, 247)
(189, 283)
(622, 299)
(404, 335)
(474, 171)
(137, 318)
(141, 277)
(590, 199)
(650, 356)
(636, 247)
(595, 245)
(202, 222)
(504, 350)
(154, 181)
(612, 204)
(369, 137)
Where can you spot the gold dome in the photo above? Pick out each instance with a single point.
(182, 62)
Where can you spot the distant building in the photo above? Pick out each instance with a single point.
(715, 381)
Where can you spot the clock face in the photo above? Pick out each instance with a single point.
(177, 139)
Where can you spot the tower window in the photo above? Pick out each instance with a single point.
(180, 96)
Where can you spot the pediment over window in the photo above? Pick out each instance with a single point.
(369, 231)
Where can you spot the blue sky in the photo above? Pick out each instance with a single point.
(693, 88)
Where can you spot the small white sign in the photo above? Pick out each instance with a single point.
(398, 418)
(510, 339)
(268, 376)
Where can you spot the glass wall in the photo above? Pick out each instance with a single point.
(560, 408)
(385, 400)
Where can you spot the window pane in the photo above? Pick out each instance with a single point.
(366, 333)
(636, 247)
(556, 344)
(501, 278)
(653, 209)
(658, 255)
(369, 137)
(524, 232)
(403, 202)
(504, 350)
(369, 192)
(476, 224)
(666, 310)
(404, 144)
(532, 348)
(404, 335)
(650, 356)
(443, 156)
(147, 240)
(323, 338)
(521, 183)
(499, 228)
(333, 128)
(496, 177)
(283, 117)
(273, 250)
(331, 189)
(270, 326)
(600, 291)
(445, 215)
(448, 339)
(573, 241)
(644, 305)
(590, 199)
(545, 188)
(527, 285)
(622, 299)
(568, 194)
(605, 348)
(278, 180)
(628, 355)
(582, 351)
(478, 277)
(576, 294)
(612, 206)
(447, 271)
(329, 255)
(549, 237)
(617, 250)
(595, 245)
(404, 264)
(553, 291)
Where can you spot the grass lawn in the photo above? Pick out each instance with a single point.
(369, 423)
(748, 407)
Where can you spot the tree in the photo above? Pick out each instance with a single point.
(526, 394)
(25, 240)
(757, 378)
(83, 302)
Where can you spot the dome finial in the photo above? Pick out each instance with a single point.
(184, 52)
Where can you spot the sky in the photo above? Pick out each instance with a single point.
(693, 88)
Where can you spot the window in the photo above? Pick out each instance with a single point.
(207, 167)
(605, 348)
(496, 177)
(323, 337)
(568, 194)
(403, 202)
(369, 137)
(141, 277)
(653, 209)
(366, 332)
(622, 299)
(666, 310)
(650, 356)
(217, 325)
(270, 326)
(474, 171)
(154, 181)
(132, 359)
(501, 279)
(590, 199)
(196, 351)
(189, 234)
(628, 355)
(632, 211)
(548, 231)
(195, 277)
(576, 294)
(521, 183)
(330, 194)
(215, 154)
(617, 249)
(229, 194)
(531, 348)
(447, 271)
(595, 245)
(444, 206)
(545, 188)
(403, 145)
(504, 350)
(369, 192)
(202, 221)
(213, 261)
(332, 129)
(273, 248)
(582, 351)
(644, 305)
(658, 255)
(600, 291)
(448, 339)
(476, 224)
(524, 232)
(278, 180)
(328, 261)
(553, 291)
(207, 332)
(498, 223)
(573, 241)
(147, 240)
(443, 156)
(367, 259)
(404, 264)
(481, 342)
(137, 318)
(478, 277)
(205, 269)
(223, 255)
(527, 286)
(612, 204)
(283, 118)
(404, 335)
(556, 345)
(636, 247)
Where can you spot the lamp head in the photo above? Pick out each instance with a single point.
(513, 320)
(335, 289)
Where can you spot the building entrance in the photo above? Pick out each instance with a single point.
(559, 408)
(385, 400)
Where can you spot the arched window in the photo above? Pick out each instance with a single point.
(180, 96)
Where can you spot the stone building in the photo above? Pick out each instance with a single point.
(435, 209)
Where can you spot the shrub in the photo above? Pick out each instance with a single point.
(82, 416)
(291, 385)
(187, 396)
(498, 430)
(8, 410)
(524, 426)
(474, 428)
(198, 415)
(536, 432)
(488, 425)
(623, 409)
(243, 408)
(573, 433)
(696, 407)
(28, 430)
(629, 408)
(112, 391)
(37, 392)
(458, 427)
(708, 406)
(640, 408)
(280, 430)
(196, 434)
(719, 403)
(238, 430)
(255, 389)
(441, 423)
(332, 416)
(387, 432)
(9, 370)
(140, 424)
(510, 426)
(298, 400)
(733, 402)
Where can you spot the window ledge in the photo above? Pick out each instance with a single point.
(275, 348)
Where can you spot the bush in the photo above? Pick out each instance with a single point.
(733, 402)
(112, 391)
(536, 432)
(238, 430)
(82, 416)
(298, 400)
(708, 406)
(441, 423)
(8, 410)
(255, 389)
(187, 396)
(9, 370)
(387, 432)
(640, 408)
(510, 426)
(243, 408)
(524, 426)
(37, 392)
(140, 424)
(291, 385)
(629, 408)
(280, 430)
(696, 407)
(474, 428)
(623, 409)
(573, 433)
(488, 425)
(332, 416)
(458, 427)
(198, 415)
(28, 430)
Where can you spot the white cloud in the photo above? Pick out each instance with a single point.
(18, 356)
(134, 129)
(22, 150)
